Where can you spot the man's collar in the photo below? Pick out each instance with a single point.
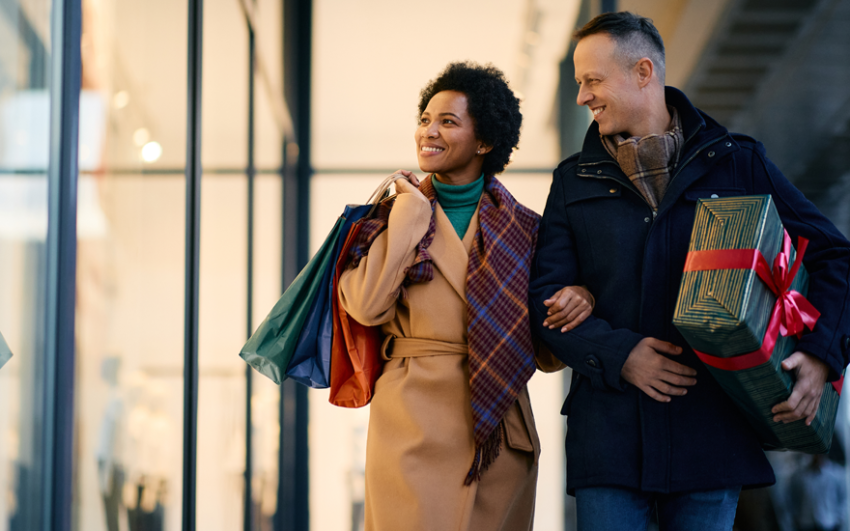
(692, 122)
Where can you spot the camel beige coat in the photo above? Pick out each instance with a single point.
(420, 443)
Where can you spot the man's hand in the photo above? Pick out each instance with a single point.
(811, 374)
(654, 374)
(568, 308)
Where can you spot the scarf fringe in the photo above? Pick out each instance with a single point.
(485, 455)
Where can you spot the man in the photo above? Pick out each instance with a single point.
(648, 426)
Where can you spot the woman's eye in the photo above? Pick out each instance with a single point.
(448, 121)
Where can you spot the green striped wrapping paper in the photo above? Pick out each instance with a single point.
(725, 313)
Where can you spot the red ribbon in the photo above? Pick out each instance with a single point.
(792, 312)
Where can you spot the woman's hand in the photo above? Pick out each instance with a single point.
(410, 185)
(568, 308)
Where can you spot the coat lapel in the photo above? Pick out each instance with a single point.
(449, 254)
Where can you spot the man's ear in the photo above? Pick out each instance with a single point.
(644, 69)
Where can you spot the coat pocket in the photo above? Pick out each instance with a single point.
(519, 425)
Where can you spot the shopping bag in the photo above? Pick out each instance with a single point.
(269, 350)
(301, 320)
(355, 357)
(5, 352)
(311, 361)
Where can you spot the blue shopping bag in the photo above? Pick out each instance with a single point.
(311, 363)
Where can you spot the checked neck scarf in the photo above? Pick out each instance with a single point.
(501, 355)
(649, 161)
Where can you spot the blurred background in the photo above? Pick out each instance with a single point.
(298, 108)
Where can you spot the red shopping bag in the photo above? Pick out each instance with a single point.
(356, 349)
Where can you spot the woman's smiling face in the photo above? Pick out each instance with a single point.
(445, 139)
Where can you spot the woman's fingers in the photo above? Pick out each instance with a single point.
(576, 321)
(403, 186)
(559, 312)
(410, 177)
(565, 307)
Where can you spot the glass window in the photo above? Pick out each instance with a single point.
(24, 127)
(222, 395)
(130, 272)
(265, 399)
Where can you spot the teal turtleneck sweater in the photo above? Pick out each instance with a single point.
(459, 201)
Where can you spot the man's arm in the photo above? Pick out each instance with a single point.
(594, 349)
(822, 353)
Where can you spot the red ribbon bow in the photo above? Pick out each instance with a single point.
(792, 312)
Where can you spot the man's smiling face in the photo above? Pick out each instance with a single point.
(611, 92)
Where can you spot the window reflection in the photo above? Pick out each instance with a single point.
(130, 248)
(24, 122)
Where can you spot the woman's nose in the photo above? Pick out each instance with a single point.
(431, 131)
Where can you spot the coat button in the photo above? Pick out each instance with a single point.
(846, 343)
(613, 190)
(646, 220)
(599, 172)
(583, 170)
(728, 144)
(711, 153)
(592, 363)
(715, 196)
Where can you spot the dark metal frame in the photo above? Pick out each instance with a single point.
(248, 519)
(194, 171)
(293, 512)
(58, 405)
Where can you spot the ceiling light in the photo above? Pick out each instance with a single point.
(151, 152)
(121, 99)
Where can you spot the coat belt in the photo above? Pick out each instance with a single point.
(414, 347)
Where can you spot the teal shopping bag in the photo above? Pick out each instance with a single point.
(270, 348)
(5, 352)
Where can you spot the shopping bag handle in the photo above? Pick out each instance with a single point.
(382, 189)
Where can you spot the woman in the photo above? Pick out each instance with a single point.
(444, 271)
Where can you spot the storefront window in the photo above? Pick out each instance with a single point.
(24, 127)
(130, 272)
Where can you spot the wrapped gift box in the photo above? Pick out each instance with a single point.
(730, 311)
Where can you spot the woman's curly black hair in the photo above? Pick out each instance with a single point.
(491, 103)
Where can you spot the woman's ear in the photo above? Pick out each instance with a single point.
(483, 149)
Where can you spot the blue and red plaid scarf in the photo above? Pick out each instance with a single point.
(501, 355)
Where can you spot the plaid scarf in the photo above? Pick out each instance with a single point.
(649, 161)
(501, 355)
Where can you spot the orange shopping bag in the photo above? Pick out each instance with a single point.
(356, 349)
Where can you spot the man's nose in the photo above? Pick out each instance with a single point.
(584, 96)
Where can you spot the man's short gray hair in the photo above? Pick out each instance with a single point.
(636, 38)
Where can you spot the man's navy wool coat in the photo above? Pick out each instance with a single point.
(598, 231)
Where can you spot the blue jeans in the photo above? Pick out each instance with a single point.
(621, 509)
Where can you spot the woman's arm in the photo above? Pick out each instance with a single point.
(369, 292)
(568, 308)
